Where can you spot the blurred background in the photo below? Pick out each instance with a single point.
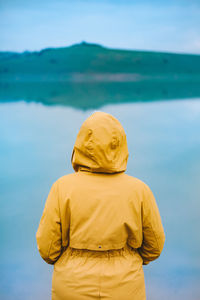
(59, 62)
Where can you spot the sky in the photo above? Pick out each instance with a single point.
(158, 25)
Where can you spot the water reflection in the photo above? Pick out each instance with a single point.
(93, 94)
(35, 149)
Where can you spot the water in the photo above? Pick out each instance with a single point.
(36, 142)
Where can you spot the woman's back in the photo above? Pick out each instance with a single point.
(97, 213)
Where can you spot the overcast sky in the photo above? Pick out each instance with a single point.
(160, 25)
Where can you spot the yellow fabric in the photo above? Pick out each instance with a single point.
(84, 274)
(99, 209)
(101, 145)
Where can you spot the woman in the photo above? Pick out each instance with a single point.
(99, 225)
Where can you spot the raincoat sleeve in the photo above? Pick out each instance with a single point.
(48, 236)
(153, 232)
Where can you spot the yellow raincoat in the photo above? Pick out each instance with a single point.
(99, 225)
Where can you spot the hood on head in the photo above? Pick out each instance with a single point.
(101, 145)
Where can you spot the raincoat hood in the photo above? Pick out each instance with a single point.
(101, 145)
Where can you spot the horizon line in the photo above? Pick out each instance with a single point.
(99, 45)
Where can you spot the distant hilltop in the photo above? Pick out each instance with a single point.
(92, 62)
(89, 75)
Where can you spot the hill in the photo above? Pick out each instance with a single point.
(89, 75)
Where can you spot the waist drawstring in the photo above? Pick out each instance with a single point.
(96, 253)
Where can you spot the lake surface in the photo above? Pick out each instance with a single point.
(36, 142)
